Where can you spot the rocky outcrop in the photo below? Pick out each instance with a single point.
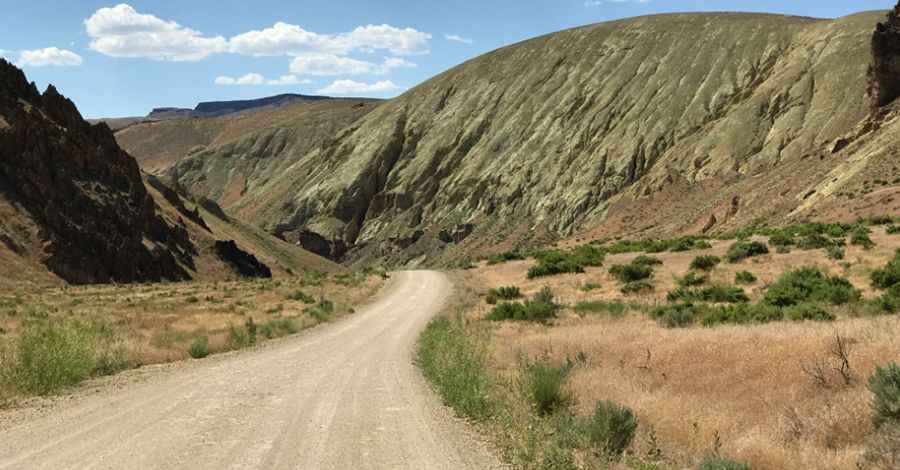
(884, 74)
(243, 263)
(96, 219)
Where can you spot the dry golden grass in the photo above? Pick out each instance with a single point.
(744, 384)
(157, 322)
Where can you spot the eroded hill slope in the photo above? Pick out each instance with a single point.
(669, 123)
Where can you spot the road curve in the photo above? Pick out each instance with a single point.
(343, 396)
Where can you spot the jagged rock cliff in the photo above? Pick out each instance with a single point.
(885, 70)
(85, 194)
(643, 126)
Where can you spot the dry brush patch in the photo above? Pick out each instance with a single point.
(158, 323)
(776, 395)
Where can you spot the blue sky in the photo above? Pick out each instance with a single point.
(122, 59)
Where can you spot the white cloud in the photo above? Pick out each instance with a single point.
(121, 31)
(350, 87)
(249, 79)
(458, 38)
(288, 39)
(330, 65)
(285, 80)
(50, 56)
(258, 79)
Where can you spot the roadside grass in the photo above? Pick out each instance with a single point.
(54, 338)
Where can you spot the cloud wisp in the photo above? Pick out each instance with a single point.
(459, 39)
(259, 79)
(48, 57)
(350, 87)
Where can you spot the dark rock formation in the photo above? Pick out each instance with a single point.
(316, 243)
(456, 234)
(884, 74)
(97, 221)
(243, 263)
(177, 202)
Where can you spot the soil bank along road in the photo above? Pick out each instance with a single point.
(343, 396)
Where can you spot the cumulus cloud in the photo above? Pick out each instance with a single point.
(285, 80)
(350, 87)
(249, 79)
(330, 65)
(121, 31)
(48, 57)
(259, 79)
(458, 38)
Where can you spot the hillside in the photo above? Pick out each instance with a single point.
(75, 207)
(642, 127)
(158, 145)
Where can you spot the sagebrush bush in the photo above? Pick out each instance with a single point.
(835, 252)
(554, 262)
(674, 316)
(808, 312)
(810, 284)
(614, 309)
(781, 239)
(741, 314)
(637, 287)
(716, 293)
(53, 355)
(692, 279)
(645, 260)
(742, 250)
(238, 337)
(885, 387)
(611, 428)
(545, 386)
(893, 229)
(625, 273)
(301, 296)
(860, 237)
(705, 262)
(744, 277)
(889, 275)
(199, 348)
(503, 293)
(505, 257)
(541, 308)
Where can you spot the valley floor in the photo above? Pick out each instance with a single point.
(774, 395)
(345, 395)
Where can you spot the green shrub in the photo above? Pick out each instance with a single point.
(674, 316)
(885, 387)
(860, 237)
(888, 276)
(504, 293)
(893, 229)
(611, 428)
(716, 293)
(807, 312)
(238, 337)
(589, 286)
(779, 239)
(744, 277)
(817, 241)
(741, 314)
(637, 287)
(692, 279)
(541, 308)
(456, 363)
(51, 356)
(645, 260)
(705, 263)
(554, 262)
(879, 220)
(810, 285)
(199, 348)
(544, 386)
(745, 249)
(689, 244)
(250, 325)
(715, 462)
(631, 272)
(504, 257)
(614, 309)
(835, 252)
(301, 296)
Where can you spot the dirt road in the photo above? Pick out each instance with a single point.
(342, 396)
